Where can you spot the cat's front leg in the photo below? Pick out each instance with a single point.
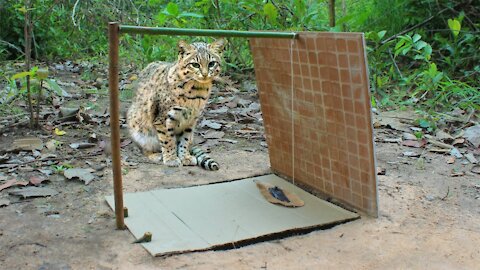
(183, 148)
(169, 143)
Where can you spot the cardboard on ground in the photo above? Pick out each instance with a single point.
(208, 216)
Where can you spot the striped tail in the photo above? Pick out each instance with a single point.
(203, 160)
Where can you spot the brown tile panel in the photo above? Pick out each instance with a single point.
(332, 148)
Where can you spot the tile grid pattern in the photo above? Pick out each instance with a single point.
(333, 144)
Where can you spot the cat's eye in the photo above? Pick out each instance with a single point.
(196, 65)
(211, 64)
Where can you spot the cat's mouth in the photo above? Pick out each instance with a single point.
(204, 80)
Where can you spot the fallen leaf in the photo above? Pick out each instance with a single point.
(455, 173)
(415, 143)
(37, 180)
(27, 144)
(220, 110)
(59, 132)
(437, 143)
(454, 152)
(4, 202)
(92, 138)
(214, 134)
(450, 160)
(476, 169)
(228, 140)
(82, 174)
(264, 144)
(12, 183)
(82, 145)
(210, 143)
(472, 134)
(381, 171)
(29, 192)
(439, 150)
(392, 140)
(442, 136)
(411, 154)
(52, 145)
(125, 142)
(409, 136)
(210, 124)
(46, 172)
(471, 158)
(458, 141)
(254, 106)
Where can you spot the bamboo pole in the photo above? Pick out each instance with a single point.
(202, 32)
(113, 38)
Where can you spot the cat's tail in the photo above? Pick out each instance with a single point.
(204, 160)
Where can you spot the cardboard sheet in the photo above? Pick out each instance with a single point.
(208, 216)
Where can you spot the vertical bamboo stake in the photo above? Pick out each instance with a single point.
(113, 37)
(28, 49)
(331, 12)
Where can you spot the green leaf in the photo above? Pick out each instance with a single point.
(172, 9)
(270, 11)
(42, 73)
(423, 123)
(455, 26)
(58, 90)
(420, 45)
(22, 75)
(381, 34)
(416, 38)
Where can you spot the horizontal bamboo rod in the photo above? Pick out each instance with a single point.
(203, 32)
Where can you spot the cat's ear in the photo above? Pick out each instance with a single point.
(218, 45)
(183, 47)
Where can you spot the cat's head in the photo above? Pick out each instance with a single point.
(200, 61)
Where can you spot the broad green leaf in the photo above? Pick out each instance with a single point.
(416, 38)
(161, 18)
(399, 44)
(42, 73)
(22, 9)
(172, 9)
(420, 45)
(455, 26)
(381, 34)
(270, 11)
(58, 90)
(22, 75)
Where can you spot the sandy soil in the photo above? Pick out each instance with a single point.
(419, 227)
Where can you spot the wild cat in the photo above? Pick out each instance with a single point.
(169, 101)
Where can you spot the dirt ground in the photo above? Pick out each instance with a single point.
(428, 219)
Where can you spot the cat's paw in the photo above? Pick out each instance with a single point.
(175, 162)
(156, 157)
(189, 160)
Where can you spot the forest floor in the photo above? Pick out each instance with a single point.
(429, 200)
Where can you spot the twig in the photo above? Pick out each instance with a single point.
(446, 195)
(415, 26)
(6, 118)
(12, 46)
(395, 63)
